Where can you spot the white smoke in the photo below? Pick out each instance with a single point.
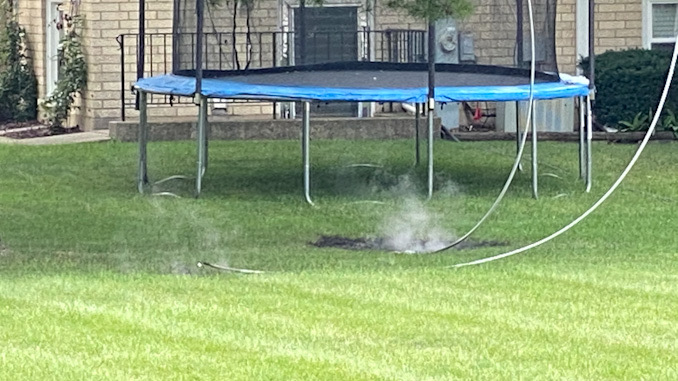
(414, 229)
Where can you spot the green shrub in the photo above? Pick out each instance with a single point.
(18, 84)
(628, 83)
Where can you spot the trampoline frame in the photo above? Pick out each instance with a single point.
(585, 113)
(202, 141)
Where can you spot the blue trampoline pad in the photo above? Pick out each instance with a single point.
(371, 81)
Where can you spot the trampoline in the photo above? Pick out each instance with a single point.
(371, 82)
(353, 82)
(205, 65)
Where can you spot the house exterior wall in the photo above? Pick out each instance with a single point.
(31, 16)
(618, 26)
(105, 20)
(566, 26)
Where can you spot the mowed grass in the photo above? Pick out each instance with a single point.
(98, 282)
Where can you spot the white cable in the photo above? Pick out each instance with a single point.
(528, 126)
(614, 186)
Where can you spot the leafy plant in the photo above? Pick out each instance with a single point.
(670, 123)
(72, 74)
(18, 84)
(641, 122)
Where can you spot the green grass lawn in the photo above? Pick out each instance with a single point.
(98, 282)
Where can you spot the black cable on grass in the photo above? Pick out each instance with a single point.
(228, 268)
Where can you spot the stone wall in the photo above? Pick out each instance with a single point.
(321, 128)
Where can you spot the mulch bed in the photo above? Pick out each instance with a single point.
(28, 130)
(15, 125)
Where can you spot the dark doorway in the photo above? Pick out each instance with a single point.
(327, 34)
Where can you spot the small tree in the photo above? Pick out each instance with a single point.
(433, 10)
(18, 84)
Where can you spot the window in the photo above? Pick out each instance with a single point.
(660, 23)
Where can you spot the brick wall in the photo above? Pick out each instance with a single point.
(31, 16)
(566, 48)
(618, 25)
(386, 18)
(108, 19)
(104, 21)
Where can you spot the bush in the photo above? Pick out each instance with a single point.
(18, 84)
(628, 83)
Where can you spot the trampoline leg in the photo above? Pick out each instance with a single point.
(535, 172)
(201, 142)
(417, 153)
(582, 129)
(305, 142)
(143, 141)
(207, 138)
(589, 137)
(430, 152)
(518, 134)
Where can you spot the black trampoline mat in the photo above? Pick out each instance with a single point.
(368, 75)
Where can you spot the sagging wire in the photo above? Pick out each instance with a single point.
(365, 165)
(165, 193)
(528, 126)
(168, 194)
(639, 151)
(228, 268)
(234, 36)
(217, 35)
(248, 34)
(175, 177)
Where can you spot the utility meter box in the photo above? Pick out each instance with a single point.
(447, 41)
(447, 51)
(467, 52)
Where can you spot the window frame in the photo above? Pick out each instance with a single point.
(648, 40)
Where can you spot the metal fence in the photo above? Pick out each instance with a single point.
(169, 53)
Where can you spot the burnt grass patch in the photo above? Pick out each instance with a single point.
(385, 244)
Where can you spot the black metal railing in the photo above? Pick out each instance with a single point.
(171, 53)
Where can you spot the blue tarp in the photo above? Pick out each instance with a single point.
(568, 87)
